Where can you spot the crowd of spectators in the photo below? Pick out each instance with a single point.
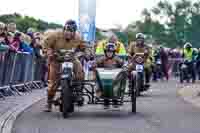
(15, 41)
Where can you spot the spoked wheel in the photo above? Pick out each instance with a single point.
(61, 107)
(133, 94)
(67, 105)
(181, 77)
(139, 85)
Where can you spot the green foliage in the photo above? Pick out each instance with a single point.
(25, 22)
(99, 36)
(181, 25)
(122, 37)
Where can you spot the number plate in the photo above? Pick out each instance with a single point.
(159, 62)
(183, 66)
(139, 68)
(67, 65)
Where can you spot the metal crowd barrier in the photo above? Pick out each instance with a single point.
(19, 73)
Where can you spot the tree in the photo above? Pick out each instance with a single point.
(25, 22)
(181, 23)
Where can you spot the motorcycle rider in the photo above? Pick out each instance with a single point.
(141, 47)
(67, 39)
(109, 60)
(189, 57)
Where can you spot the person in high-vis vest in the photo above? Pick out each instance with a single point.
(189, 57)
(120, 48)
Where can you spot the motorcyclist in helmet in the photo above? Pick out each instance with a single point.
(140, 47)
(109, 59)
(189, 57)
(53, 42)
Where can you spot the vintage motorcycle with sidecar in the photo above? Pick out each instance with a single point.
(74, 93)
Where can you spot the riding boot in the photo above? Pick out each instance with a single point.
(49, 104)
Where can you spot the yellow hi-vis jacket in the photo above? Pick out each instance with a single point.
(101, 45)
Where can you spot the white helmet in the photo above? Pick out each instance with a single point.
(188, 44)
(140, 36)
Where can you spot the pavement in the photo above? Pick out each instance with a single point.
(190, 94)
(13, 106)
(160, 110)
(167, 107)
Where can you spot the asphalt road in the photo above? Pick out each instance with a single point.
(159, 111)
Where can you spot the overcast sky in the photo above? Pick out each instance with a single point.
(109, 12)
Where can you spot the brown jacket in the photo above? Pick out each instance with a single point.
(133, 49)
(56, 41)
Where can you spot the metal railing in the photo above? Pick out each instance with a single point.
(19, 73)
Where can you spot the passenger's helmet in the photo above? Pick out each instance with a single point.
(71, 26)
(110, 47)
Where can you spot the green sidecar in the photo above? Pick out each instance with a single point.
(105, 79)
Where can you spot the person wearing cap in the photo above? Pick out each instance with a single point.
(140, 47)
(67, 39)
(120, 49)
